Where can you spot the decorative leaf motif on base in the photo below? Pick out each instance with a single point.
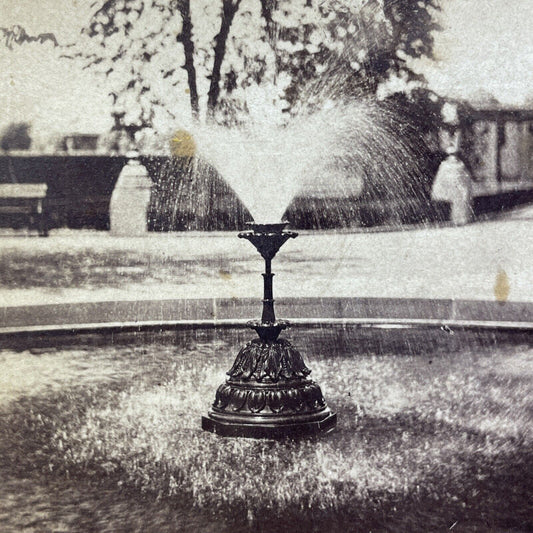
(290, 398)
(222, 397)
(276, 403)
(256, 401)
(268, 361)
(237, 399)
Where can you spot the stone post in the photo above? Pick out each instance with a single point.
(453, 184)
(128, 210)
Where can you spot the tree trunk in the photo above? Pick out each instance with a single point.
(267, 8)
(229, 8)
(188, 47)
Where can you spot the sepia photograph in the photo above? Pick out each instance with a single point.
(266, 266)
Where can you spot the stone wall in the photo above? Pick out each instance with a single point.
(80, 188)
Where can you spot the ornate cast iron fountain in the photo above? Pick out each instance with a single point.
(268, 393)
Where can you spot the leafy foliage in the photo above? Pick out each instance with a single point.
(16, 136)
(18, 35)
(236, 58)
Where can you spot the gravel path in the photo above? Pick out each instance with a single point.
(437, 263)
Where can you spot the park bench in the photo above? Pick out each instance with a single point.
(27, 199)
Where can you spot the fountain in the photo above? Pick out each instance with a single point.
(268, 393)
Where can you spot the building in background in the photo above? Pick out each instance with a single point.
(80, 142)
(497, 143)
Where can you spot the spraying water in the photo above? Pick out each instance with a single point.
(336, 151)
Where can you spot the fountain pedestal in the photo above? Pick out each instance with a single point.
(268, 393)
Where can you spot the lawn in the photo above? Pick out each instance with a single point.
(87, 269)
(435, 433)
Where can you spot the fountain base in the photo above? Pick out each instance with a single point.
(266, 429)
(268, 395)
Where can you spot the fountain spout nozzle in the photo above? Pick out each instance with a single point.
(268, 239)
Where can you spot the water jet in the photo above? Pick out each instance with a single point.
(268, 393)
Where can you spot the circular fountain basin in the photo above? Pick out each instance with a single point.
(109, 425)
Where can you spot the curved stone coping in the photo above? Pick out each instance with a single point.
(156, 315)
(160, 326)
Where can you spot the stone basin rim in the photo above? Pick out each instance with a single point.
(160, 315)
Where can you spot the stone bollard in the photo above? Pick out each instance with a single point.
(453, 184)
(128, 210)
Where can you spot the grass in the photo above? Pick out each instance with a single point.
(424, 443)
(88, 269)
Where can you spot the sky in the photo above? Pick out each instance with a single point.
(36, 85)
(485, 45)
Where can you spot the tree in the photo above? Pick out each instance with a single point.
(228, 55)
(144, 47)
(16, 136)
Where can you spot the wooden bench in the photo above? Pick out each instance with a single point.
(25, 198)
